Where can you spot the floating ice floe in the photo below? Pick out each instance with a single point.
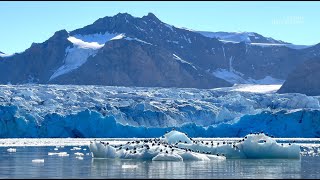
(58, 154)
(79, 154)
(12, 150)
(128, 166)
(176, 146)
(38, 160)
(75, 148)
(79, 157)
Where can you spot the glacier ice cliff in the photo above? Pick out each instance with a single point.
(101, 111)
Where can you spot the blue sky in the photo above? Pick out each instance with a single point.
(25, 22)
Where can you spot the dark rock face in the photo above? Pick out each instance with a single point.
(36, 63)
(304, 79)
(123, 63)
(153, 63)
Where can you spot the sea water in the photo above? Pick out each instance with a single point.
(71, 158)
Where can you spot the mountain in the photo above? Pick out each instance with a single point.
(304, 79)
(248, 37)
(2, 54)
(129, 51)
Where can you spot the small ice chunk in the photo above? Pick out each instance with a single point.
(79, 154)
(75, 148)
(128, 166)
(56, 149)
(59, 154)
(79, 157)
(12, 150)
(38, 160)
(62, 155)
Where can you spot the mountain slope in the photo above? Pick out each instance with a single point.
(304, 79)
(36, 63)
(138, 64)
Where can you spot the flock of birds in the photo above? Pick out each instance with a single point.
(133, 146)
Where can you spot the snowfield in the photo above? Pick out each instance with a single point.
(54, 111)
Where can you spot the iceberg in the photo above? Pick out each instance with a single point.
(152, 149)
(172, 148)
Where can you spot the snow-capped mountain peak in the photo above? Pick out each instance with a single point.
(138, 51)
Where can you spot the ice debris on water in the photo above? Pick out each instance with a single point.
(75, 148)
(79, 154)
(38, 160)
(58, 154)
(12, 150)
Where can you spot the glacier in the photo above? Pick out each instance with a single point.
(53, 111)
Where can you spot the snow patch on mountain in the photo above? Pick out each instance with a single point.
(229, 76)
(237, 78)
(254, 88)
(136, 39)
(183, 61)
(267, 80)
(228, 36)
(76, 55)
(84, 45)
(249, 38)
(119, 36)
(292, 46)
(3, 55)
(98, 38)
(169, 26)
(187, 29)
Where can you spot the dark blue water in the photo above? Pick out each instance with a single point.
(20, 165)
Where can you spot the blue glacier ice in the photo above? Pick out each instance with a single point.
(100, 111)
